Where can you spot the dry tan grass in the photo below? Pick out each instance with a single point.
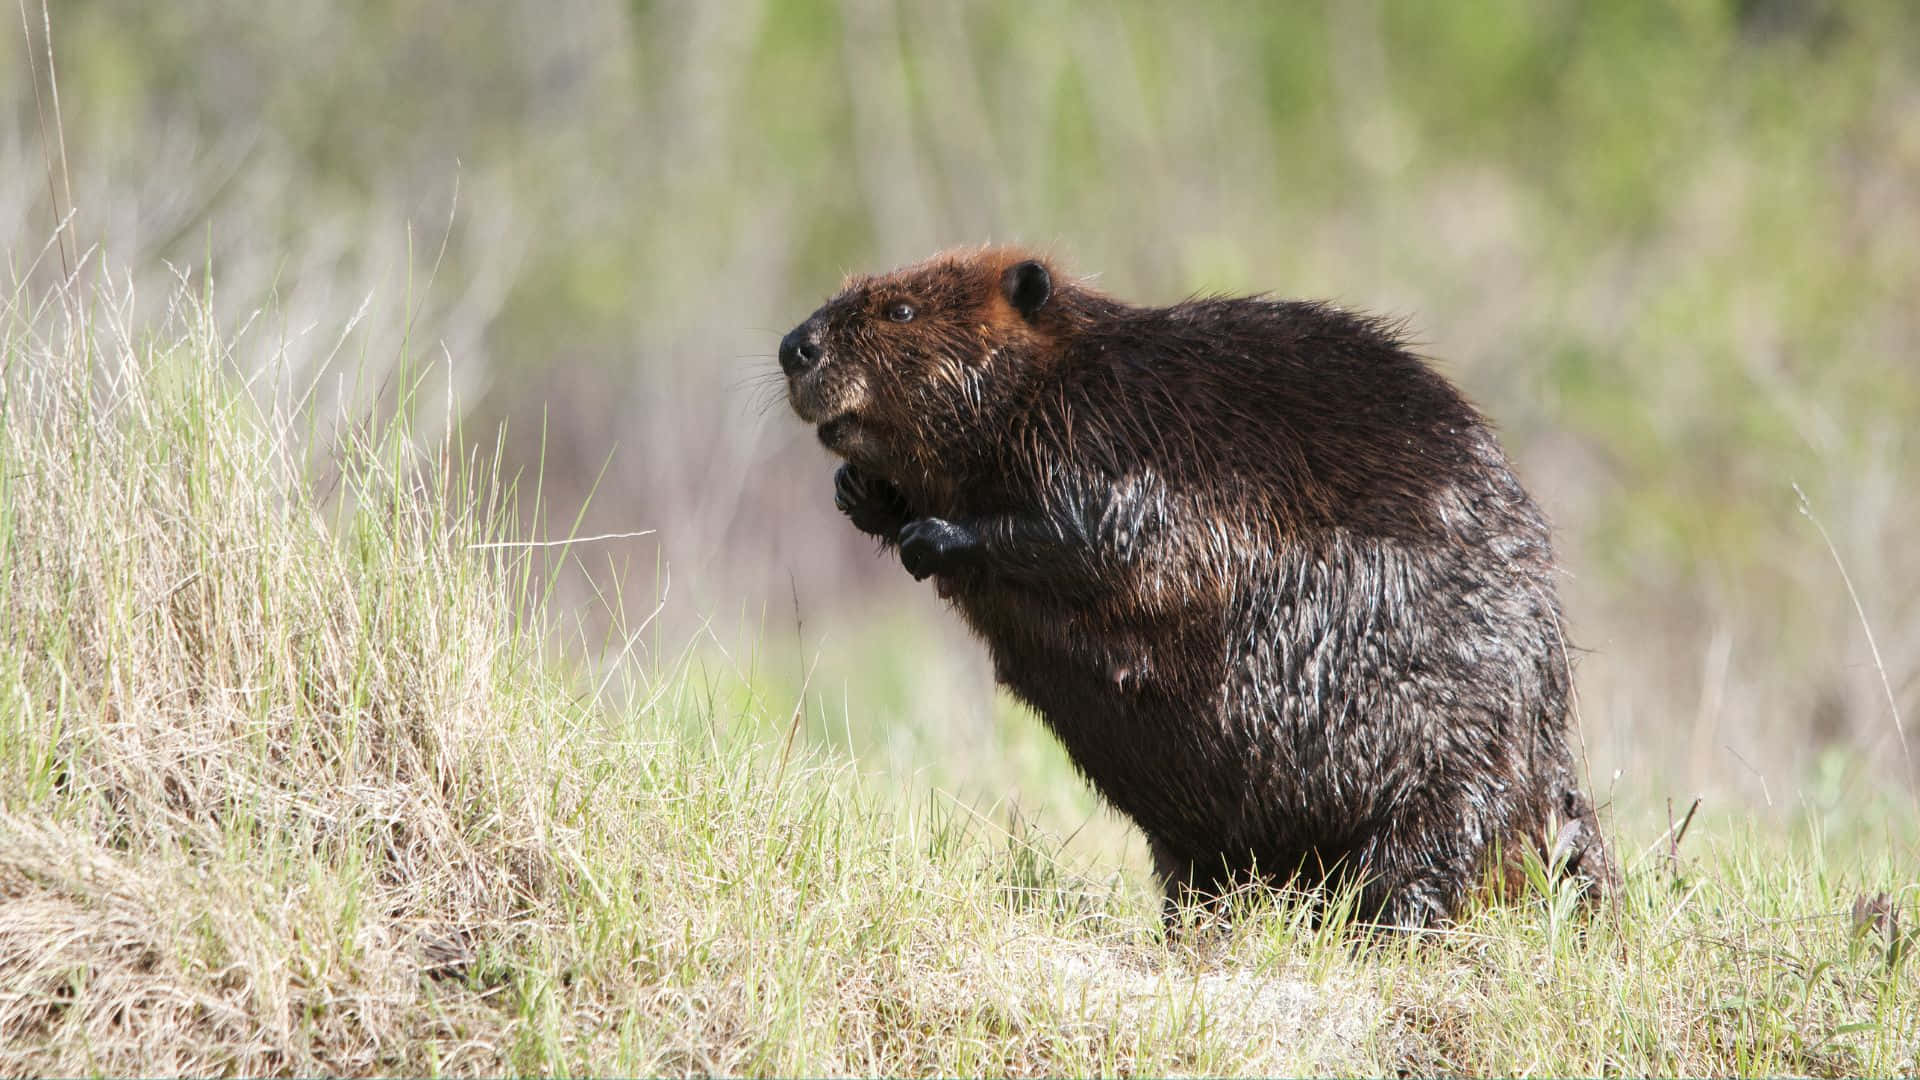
(205, 685)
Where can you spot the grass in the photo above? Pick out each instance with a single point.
(298, 775)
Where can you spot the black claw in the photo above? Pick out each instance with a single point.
(931, 546)
(874, 506)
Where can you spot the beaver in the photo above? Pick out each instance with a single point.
(1266, 575)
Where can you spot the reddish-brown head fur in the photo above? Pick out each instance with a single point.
(909, 373)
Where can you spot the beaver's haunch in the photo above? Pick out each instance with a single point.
(1266, 574)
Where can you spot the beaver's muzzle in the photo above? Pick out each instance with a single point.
(800, 350)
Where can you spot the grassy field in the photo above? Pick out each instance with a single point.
(299, 774)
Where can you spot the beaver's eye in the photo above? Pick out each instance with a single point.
(900, 312)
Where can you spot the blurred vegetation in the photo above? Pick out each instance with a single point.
(1670, 248)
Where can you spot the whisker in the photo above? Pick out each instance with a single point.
(759, 380)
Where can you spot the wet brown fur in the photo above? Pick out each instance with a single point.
(1265, 573)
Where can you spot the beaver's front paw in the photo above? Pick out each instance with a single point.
(937, 546)
(874, 506)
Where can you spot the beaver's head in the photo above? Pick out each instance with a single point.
(903, 372)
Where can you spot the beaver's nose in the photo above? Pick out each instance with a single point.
(800, 352)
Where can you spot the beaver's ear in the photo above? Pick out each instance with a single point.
(1028, 286)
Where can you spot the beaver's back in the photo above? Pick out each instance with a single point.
(1318, 414)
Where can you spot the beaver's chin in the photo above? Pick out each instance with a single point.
(838, 431)
(856, 440)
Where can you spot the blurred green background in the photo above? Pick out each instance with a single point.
(1673, 249)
